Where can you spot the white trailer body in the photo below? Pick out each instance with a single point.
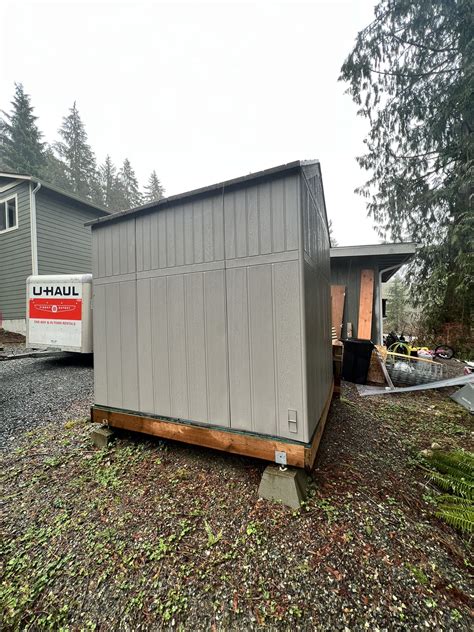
(59, 312)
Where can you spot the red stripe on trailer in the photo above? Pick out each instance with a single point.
(55, 309)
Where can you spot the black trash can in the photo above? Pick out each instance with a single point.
(356, 360)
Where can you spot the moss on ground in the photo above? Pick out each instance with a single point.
(147, 535)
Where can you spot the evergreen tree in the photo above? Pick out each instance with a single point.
(397, 305)
(77, 155)
(21, 147)
(128, 191)
(154, 190)
(108, 177)
(411, 72)
(54, 170)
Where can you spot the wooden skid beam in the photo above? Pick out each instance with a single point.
(297, 454)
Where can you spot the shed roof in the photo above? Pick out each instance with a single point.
(391, 256)
(266, 174)
(51, 187)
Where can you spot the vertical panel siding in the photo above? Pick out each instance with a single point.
(262, 333)
(145, 347)
(116, 377)
(239, 352)
(219, 346)
(128, 346)
(196, 347)
(181, 235)
(182, 347)
(262, 218)
(15, 257)
(113, 345)
(99, 315)
(177, 343)
(288, 342)
(114, 251)
(317, 314)
(160, 347)
(263, 306)
(216, 347)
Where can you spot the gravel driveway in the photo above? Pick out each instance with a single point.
(35, 391)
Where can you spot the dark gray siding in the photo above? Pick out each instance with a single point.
(346, 271)
(64, 243)
(15, 257)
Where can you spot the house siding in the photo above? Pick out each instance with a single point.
(347, 272)
(15, 257)
(64, 243)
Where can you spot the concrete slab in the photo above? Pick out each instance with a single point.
(286, 486)
(101, 437)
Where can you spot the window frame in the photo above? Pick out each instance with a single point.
(4, 200)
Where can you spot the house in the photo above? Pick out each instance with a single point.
(41, 232)
(381, 261)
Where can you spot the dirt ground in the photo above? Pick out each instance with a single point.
(8, 337)
(148, 535)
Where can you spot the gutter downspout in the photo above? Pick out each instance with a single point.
(380, 299)
(34, 236)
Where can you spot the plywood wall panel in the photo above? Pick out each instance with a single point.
(196, 347)
(216, 348)
(160, 346)
(238, 349)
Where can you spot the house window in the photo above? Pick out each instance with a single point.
(8, 214)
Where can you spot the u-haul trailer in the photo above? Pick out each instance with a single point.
(58, 314)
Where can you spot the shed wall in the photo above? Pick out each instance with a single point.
(15, 257)
(317, 296)
(198, 310)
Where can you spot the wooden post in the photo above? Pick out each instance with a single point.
(366, 302)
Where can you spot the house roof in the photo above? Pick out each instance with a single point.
(391, 256)
(234, 183)
(51, 187)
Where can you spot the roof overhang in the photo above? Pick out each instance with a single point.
(387, 257)
(51, 187)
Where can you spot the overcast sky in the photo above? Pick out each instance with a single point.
(201, 92)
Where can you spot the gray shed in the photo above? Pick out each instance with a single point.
(212, 310)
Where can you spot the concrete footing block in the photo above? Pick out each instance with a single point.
(101, 437)
(286, 486)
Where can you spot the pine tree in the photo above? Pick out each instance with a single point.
(397, 305)
(128, 191)
(77, 155)
(21, 147)
(154, 190)
(411, 74)
(108, 177)
(54, 170)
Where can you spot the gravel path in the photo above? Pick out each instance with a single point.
(35, 391)
(149, 535)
